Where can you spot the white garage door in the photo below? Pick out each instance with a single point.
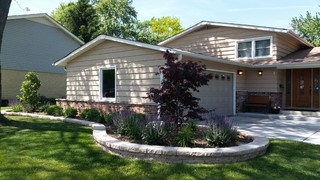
(219, 94)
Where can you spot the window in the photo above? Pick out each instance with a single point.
(254, 48)
(108, 83)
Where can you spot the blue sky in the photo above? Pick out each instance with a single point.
(273, 13)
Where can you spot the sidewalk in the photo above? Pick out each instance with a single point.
(290, 127)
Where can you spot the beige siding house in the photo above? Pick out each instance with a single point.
(110, 72)
(33, 43)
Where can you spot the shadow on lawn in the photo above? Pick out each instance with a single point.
(73, 146)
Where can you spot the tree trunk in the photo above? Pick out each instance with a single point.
(4, 10)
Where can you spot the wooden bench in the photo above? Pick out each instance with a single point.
(259, 102)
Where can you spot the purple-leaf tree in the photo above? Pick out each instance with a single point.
(176, 94)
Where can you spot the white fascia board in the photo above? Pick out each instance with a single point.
(298, 65)
(44, 15)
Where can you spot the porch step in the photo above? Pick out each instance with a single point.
(301, 113)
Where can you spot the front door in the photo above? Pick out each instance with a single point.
(302, 90)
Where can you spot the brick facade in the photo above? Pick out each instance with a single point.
(105, 107)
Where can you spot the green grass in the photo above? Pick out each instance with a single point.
(32, 148)
(5, 108)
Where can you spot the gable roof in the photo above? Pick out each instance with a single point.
(49, 19)
(233, 25)
(102, 38)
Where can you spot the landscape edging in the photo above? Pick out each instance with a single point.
(164, 153)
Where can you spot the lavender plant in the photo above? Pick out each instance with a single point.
(128, 124)
(221, 130)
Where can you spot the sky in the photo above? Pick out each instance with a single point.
(271, 13)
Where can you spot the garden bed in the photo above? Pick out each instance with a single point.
(199, 138)
(168, 154)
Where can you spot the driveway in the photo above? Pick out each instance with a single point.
(297, 128)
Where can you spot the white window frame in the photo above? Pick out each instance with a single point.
(101, 69)
(253, 48)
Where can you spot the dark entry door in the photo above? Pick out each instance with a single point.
(301, 88)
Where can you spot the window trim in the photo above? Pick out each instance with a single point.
(253, 47)
(101, 69)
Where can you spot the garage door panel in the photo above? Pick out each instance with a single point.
(218, 94)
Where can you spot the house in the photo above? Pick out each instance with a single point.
(245, 60)
(33, 43)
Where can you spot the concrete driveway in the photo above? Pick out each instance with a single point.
(290, 127)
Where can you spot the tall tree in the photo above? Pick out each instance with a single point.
(308, 27)
(80, 18)
(158, 29)
(4, 10)
(118, 18)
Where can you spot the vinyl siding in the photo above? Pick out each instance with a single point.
(285, 45)
(53, 85)
(268, 82)
(219, 41)
(33, 46)
(135, 72)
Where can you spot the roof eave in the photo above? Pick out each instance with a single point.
(298, 65)
(29, 16)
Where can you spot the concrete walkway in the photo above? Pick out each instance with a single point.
(290, 127)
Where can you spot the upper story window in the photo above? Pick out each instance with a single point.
(254, 48)
(108, 83)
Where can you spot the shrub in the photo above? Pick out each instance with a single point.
(91, 115)
(43, 108)
(186, 135)
(70, 112)
(54, 110)
(221, 131)
(17, 108)
(127, 124)
(29, 96)
(108, 118)
(155, 132)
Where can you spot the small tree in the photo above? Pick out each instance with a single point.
(175, 96)
(29, 96)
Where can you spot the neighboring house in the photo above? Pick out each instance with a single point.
(245, 60)
(33, 43)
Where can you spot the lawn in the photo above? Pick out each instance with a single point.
(33, 148)
(5, 108)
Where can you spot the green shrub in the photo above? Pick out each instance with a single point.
(17, 108)
(54, 110)
(186, 135)
(70, 112)
(128, 125)
(29, 96)
(221, 131)
(43, 108)
(91, 115)
(154, 133)
(108, 119)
